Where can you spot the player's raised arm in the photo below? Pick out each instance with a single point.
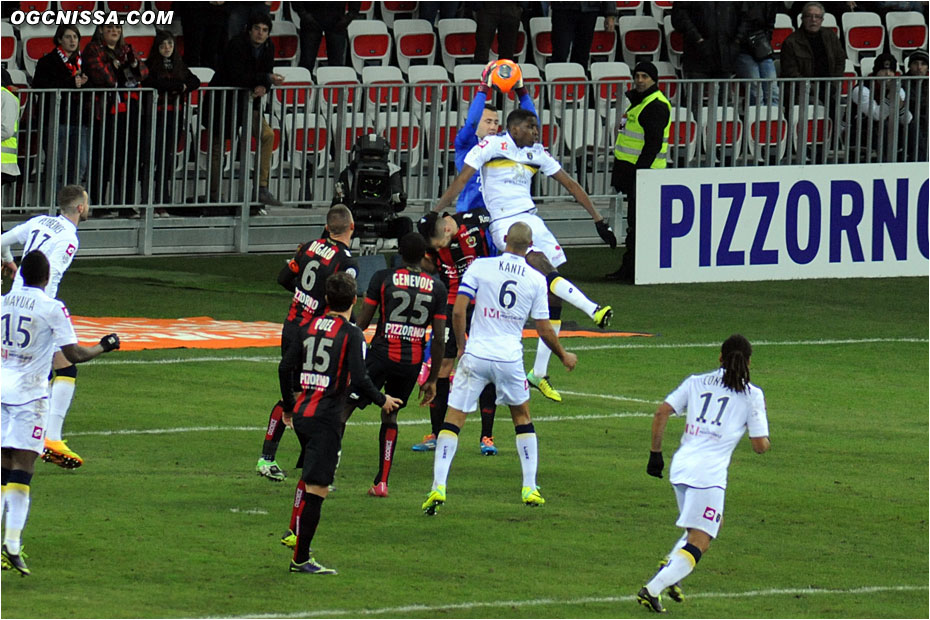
(458, 184)
(603, 228)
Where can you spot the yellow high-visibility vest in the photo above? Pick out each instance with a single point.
(632, 137)
(8, 148)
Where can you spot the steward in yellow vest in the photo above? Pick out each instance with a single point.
(9, 106)
(642, 143)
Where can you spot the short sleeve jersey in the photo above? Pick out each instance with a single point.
(506, 291)
(409, 300)
(314, 262)
(56, 237)
(717, 417)
(33, 326)
(469, 242)
(507, 171)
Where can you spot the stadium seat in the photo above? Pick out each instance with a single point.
(41, 7)
(865, 35)
(392, 11)
(819, 128)
(286, 43)
(204, 74)
(404, 135)
(659, 10)
(276, 10)
(308, 140)
(415, 42)
(541, 34)
(296, 93)
(519, 53)
(682, 136)
(723, 131)
(123, 6)
(850, 72)
(456, 41)
(367, 9)
(548, 131)
(9, 45)
(37, 41)
(140, 38)
(766, 132)
(470, 77)
(448, 128)
(579, 131)
(829, 21)
(604, 43)
(907, 30)
(783, 28)
(427, 76)
(611, 81)
(322, 56)
(352, 126)
(640, 38)
(674, 43)
(668, 79)
(567, 89)
(630, 7)
(79, 5)
(384, 90)
(341, 83)
(369, 44)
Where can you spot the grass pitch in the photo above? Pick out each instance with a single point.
(167, 517)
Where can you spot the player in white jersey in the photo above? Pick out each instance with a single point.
(506, 291)
(507, 163)
(56, 237)
(721, 406)
(33, 326)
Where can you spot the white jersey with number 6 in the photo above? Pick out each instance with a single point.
(56, 237)
(33, 325)
(717, 419)
(506, 291)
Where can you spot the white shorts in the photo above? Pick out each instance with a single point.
(474, 373)
(701, 509)
(23, 426)
(543, 240)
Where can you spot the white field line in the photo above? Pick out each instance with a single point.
(115, 361)
(406, 609)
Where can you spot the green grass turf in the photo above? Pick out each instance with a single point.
(178, 524)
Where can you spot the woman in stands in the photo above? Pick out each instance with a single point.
(173, 80)
(111, 63)
(62, 68)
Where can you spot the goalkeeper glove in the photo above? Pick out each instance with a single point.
(606, 233)
(109, 342)
(656, 464)
(486, 73)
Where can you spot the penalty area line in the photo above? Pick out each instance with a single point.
(404, 609)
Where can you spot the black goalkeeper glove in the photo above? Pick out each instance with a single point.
(109, 342)
(606, 233)
(656, 464)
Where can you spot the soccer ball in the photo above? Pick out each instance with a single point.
(506, 75)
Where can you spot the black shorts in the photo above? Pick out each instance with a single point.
(452, 347)
(320, 443)
(398, 380)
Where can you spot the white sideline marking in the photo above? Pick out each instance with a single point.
(619, 345)
(250, 429)
(400, 610)
(249, 511)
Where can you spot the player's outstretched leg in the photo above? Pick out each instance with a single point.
(527, 449)
(437, 413)
(303, 562)
(539, 376)
(60, 397)
(446, 445)
(681, 562)
(267, 465)
(17, 502)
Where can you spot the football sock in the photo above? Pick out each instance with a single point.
(563, 289)
(298, 505)
(437, 408)
(446, 443)
(681, 542)
(306, 526)
(487, 403)
(17, 501)
(274, 432)
(680, 564)
(543, 352)
(5, 473)
(59, 401)
(387, 440)
(527, 448)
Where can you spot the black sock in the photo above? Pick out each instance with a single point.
(306, 526)
(437, 408)
(274, 432)
(487, 404)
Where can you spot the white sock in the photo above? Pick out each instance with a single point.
(680, 564)
(681, 542)
(563, 289)
(17, 501)
(543, 353)
(60, 401)
(446, 444)
(527, 449)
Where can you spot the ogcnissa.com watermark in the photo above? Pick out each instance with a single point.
(95, 18)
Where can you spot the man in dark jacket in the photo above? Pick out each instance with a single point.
(811, 50)
(709, 30)
(247, 62)
(641, 144)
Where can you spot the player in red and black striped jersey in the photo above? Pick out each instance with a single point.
(305, 276)
(328, 352)
(411, 301)
(455, 241)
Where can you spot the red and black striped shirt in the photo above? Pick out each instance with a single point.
(469, 242)
(410, 301)
(306, 275)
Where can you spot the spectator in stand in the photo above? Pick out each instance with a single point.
(502, 18)
(709, 30)
(247, 62)
(111, 63)
(173, 80)
(11, 111)
(241, 15)
(331, 19)
(917, 64)
(445, 10)
(573, 26)
(204, 25)
(813, 51)
(62, 68)
(874, 102)
(754, 61)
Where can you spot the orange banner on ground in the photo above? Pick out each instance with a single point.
(202, 332)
